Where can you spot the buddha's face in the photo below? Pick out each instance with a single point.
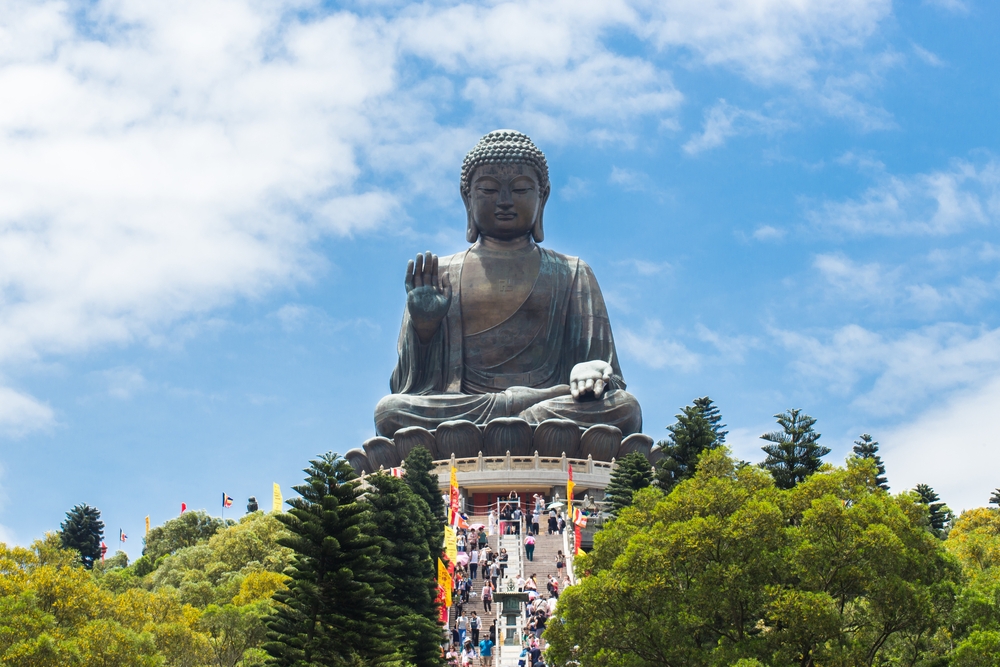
(505, 200)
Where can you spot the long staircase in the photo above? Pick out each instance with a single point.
(542, 565)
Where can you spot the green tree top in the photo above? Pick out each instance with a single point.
(938, 513)
(632, 472)
(697, 430)
(710, 411)
(83, 531)
(867, 448)
(793, 453)
(187, 530)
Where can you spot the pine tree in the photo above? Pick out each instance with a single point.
(418, 466)
(631, 473)
(83, 530)
(937, 512)
(794, 454)
(710, 411)
(867, 448)
(697, 430)
(995, 497)
(404, 521)
(334, 611)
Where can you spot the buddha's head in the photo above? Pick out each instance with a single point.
(505, 184)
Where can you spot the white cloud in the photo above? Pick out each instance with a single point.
(124, 381)
(768, 233)
(630, 180)
(954, 446)
(292, 316)
(646, 268)
(936, 203)
(957, 6)
(900, 372)
(160, 173)
(767, 40)
(857, 281)
(966, 295)
(723, 121)
(927, 56)
(732, 348)
(652, 348)
(575, 188)
(21, 413)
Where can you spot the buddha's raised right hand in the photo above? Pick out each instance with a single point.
(428, 295)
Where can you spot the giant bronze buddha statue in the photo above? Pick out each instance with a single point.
(506, 328)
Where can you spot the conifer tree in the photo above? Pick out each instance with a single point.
(418, 466)
(710, 411)
(83, 530)
(404, 521)
(867, 448)
(794, 453)
(631, 473)
(937, 512)
(995, 497)
(697, 430)
(335, 610)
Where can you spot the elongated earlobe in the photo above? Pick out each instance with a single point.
(538, 232)
(471, 232)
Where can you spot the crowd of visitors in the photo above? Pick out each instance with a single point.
(481, 571)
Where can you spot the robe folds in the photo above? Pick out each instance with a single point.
(562, 322)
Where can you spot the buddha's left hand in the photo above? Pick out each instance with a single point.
(589, 379)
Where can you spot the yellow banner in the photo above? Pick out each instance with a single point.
(147, 525)
(569, 490)
(444, 580)
(451, 545)
(276, 499)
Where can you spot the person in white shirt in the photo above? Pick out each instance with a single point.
(520, 582)
(473, 562)
(463, 626)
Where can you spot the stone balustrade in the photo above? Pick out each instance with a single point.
(506, 441)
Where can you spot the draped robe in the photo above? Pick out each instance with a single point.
(562, 322)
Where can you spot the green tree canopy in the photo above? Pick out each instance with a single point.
(83, 531)
(793, 453)
(697, 429)
(631, 473)
(334, 611)
(867, 448)
(730, 568)
(187, 530)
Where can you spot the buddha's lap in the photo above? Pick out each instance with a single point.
(395, 411)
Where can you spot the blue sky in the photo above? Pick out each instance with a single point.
(206, 209)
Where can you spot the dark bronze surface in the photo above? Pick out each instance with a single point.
(506, 328)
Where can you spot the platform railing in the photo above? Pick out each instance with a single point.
(483, 463)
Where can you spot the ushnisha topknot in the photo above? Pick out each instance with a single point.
(504, 147)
